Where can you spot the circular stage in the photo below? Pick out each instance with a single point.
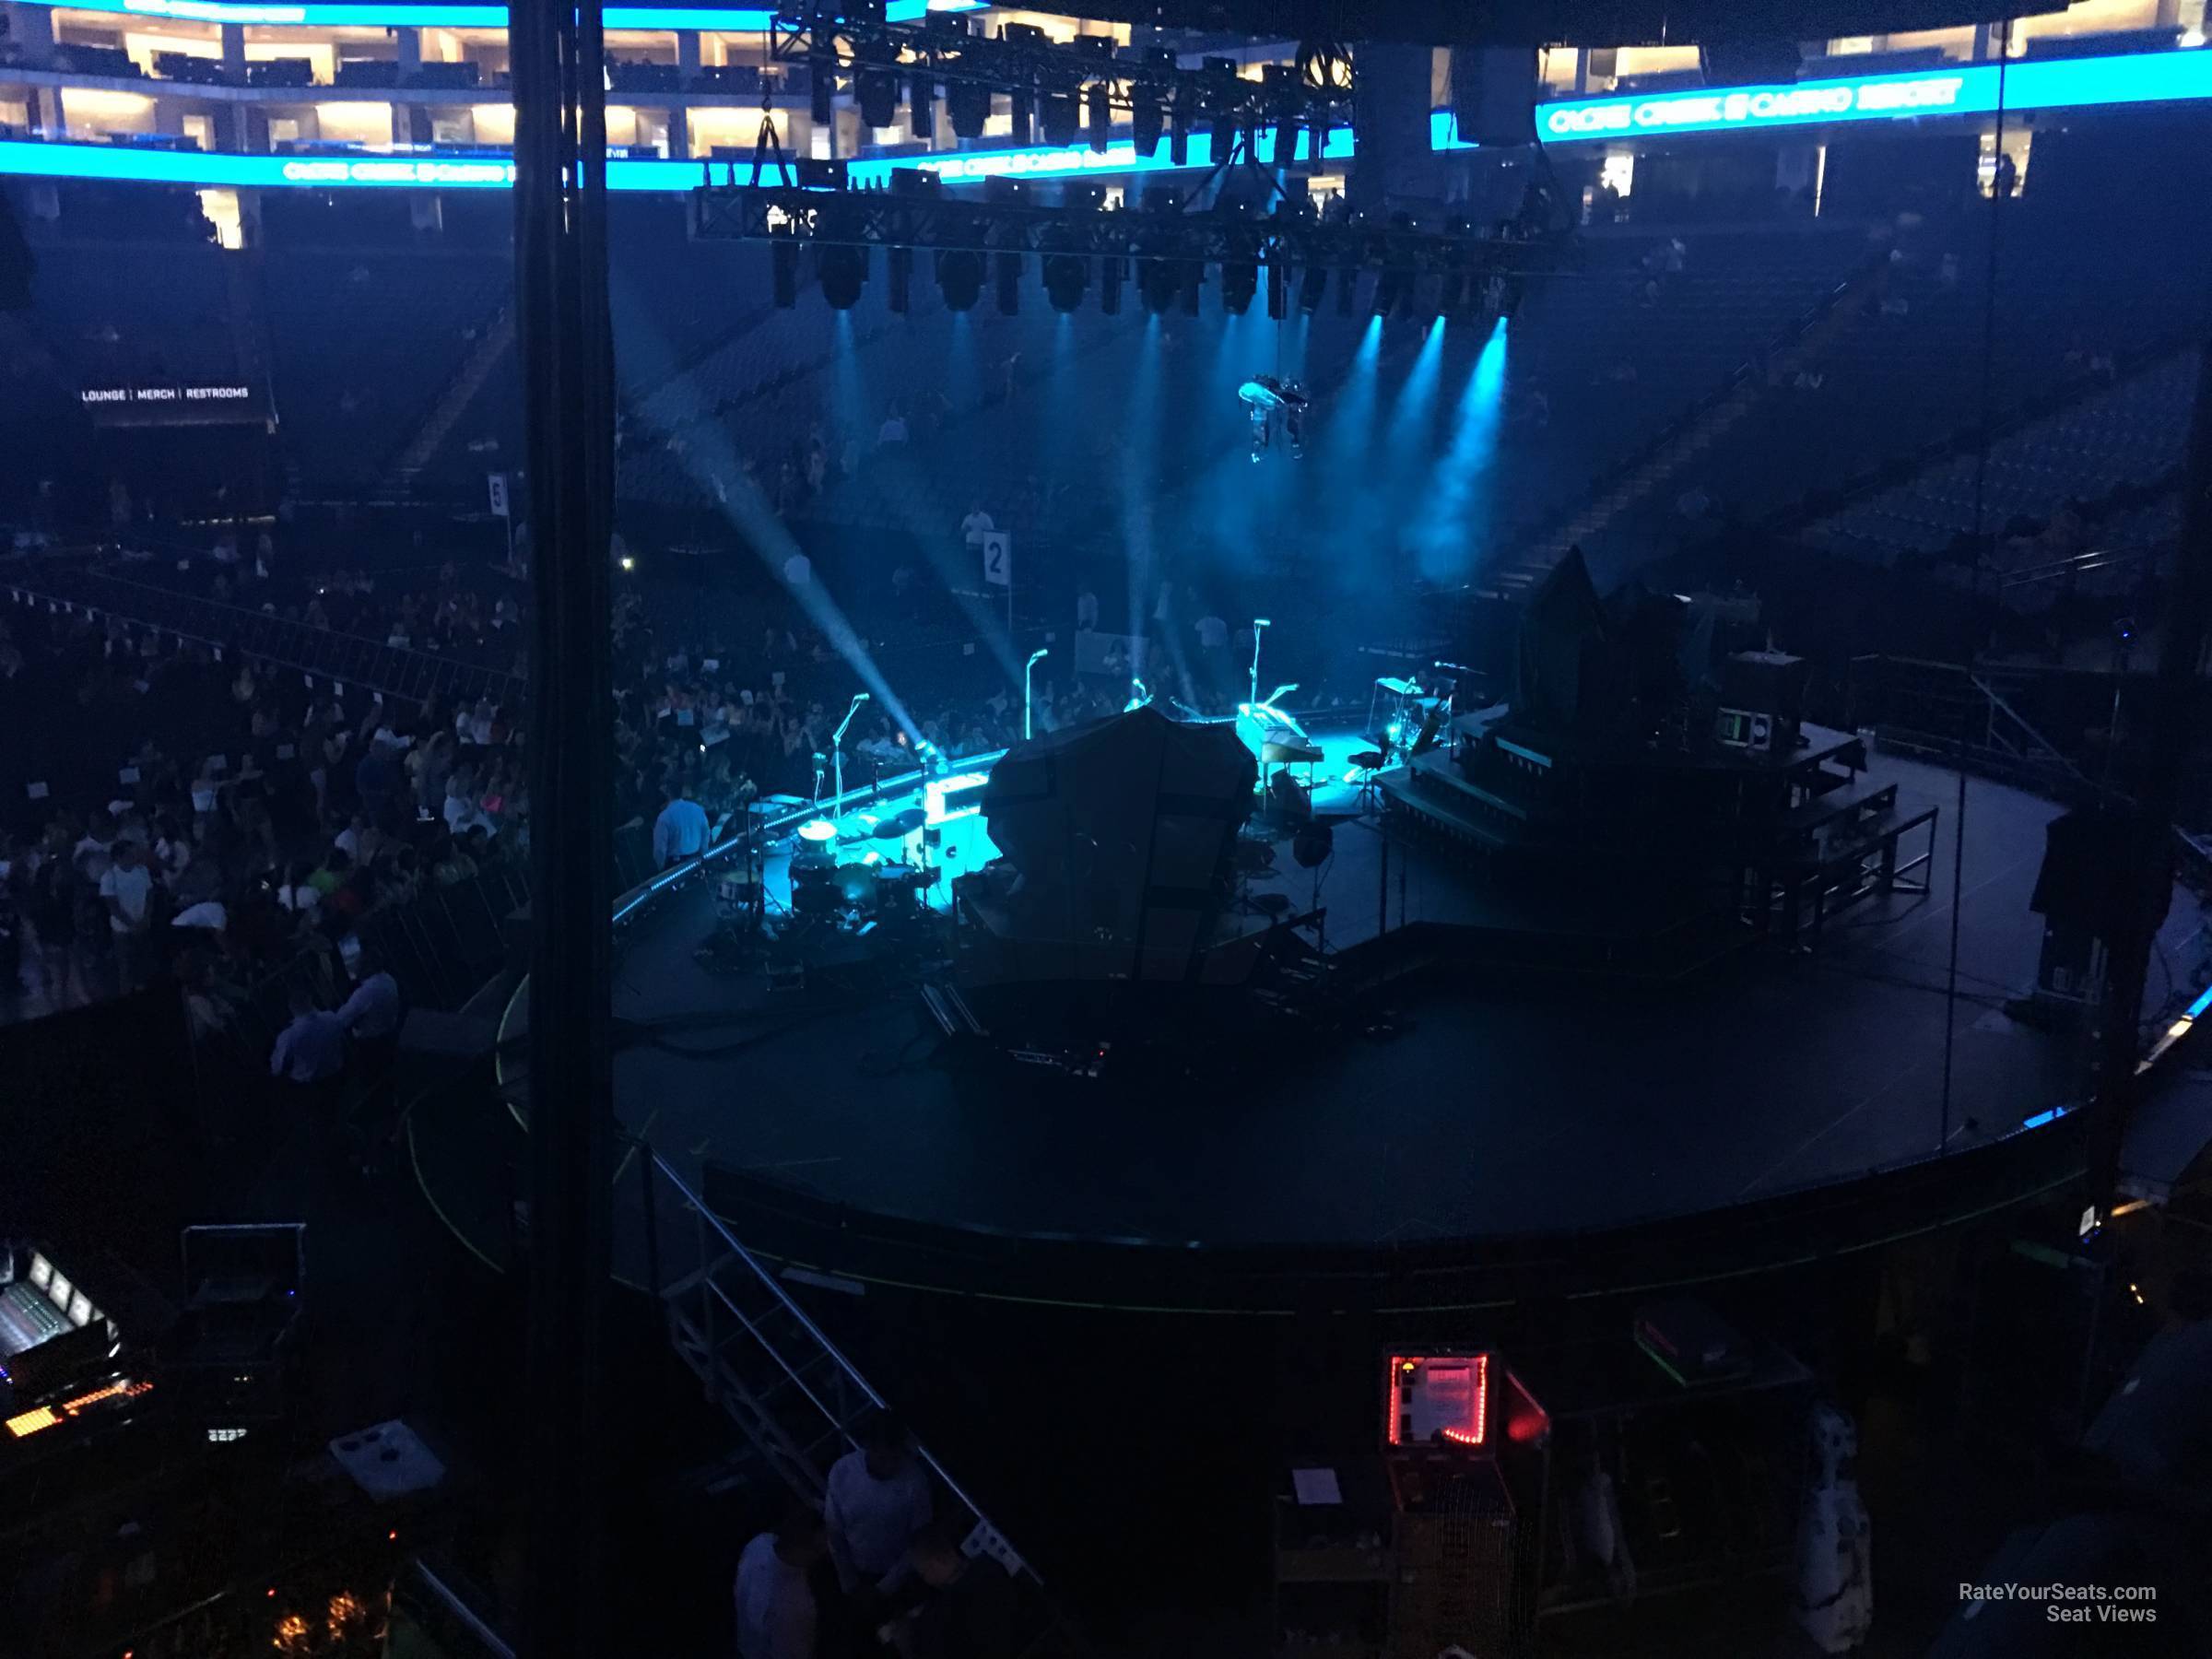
(1499, 1133)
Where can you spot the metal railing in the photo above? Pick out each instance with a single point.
(343, 658)
(1949, 712)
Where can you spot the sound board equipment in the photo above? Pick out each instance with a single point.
(63, 1368)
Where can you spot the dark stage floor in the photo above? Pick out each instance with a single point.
(1495, 1112)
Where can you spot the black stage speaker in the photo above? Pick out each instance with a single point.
(16, 263)
(1494, 93)
(1748, 63)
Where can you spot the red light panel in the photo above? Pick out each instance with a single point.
(1442, 1397)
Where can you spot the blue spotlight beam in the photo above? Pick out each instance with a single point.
(1442, 538)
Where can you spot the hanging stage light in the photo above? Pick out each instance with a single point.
(844, 271)
(1313, 284)
(1056, 117)
(968, 105)
(961, 278)
(1347, 290)
(1097, 116)
(876, 93)
(821, 83)
(1110, 285)
(1186, 116)
(783, 268)
(1222, 139)
(900, 263)
(1239, 271)
(922, 103)
(1147, 119)
(1066, 276)
(1019, 107)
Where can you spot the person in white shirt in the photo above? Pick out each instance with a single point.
(976, 525)
(774, 1601)
(878, 1500)
(680, 831)
(127, 891)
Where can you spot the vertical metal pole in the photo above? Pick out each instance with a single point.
(566, 352)
(1382, 896)
(649, 1207)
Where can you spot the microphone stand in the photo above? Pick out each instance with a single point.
(837, 751)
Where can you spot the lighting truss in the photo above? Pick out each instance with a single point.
(1144, 86)
(1289, 243)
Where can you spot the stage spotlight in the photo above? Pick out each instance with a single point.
(821, 86)
(1313, 284)
(1019, 105)
(1110, 286)
(1156, 284)
(1097, 116)
(1006, 267)
(1065, 277)
(1179, 134)
(922, 103)
(1191, 275)
(1147, 119)
(1056, 117)
(783, 268)
(1239, 283)
(961, 278)
(968, 106)
(843, 271)
(1279, 291)
(1222, 139)
(900, 265)
(1347, 290)
(876, 93)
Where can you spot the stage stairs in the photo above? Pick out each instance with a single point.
(486, 355)
(1705, 423)
(796, 1399)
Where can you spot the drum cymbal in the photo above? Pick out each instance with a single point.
(900, 825)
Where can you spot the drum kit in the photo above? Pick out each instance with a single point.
(1403, 719)
(861, 892)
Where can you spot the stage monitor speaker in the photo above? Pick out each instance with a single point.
(1749, 62)
(1494, 93)
(15, 260)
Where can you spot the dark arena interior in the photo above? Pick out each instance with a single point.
(1328, 830)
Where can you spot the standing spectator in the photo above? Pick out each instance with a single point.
(128, 892)
(773, 1601)
(878, 1499)
(377, 779)
(311, 1049)
(893, 430)
(680, 831)
(976, 525)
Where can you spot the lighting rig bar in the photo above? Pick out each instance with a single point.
(1072, 87)
(926, 219)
